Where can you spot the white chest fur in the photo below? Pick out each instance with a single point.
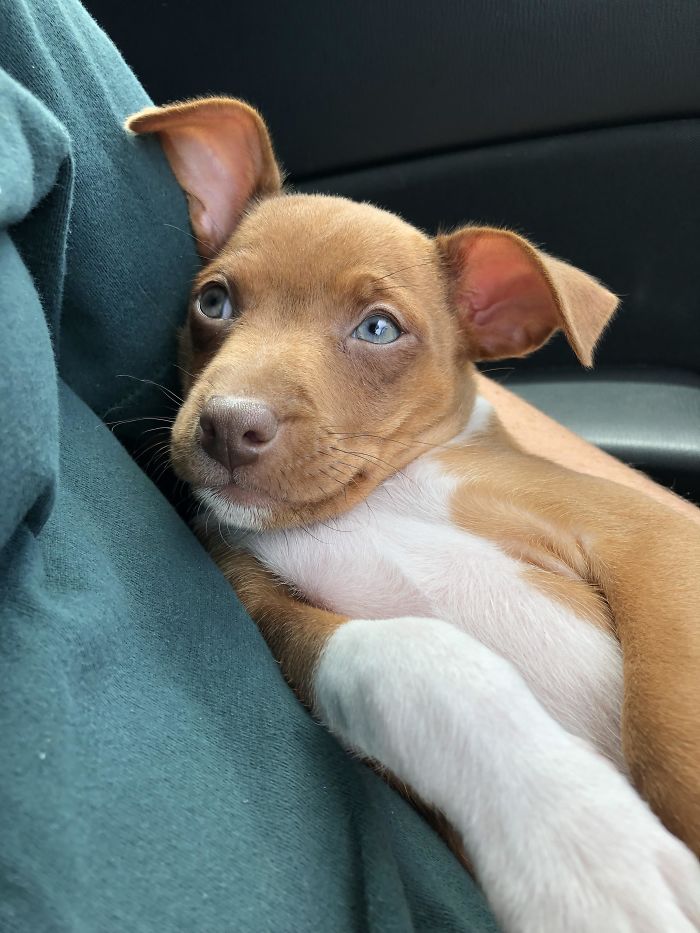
(398, 554)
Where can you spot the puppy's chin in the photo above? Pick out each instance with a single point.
(235, 506)
(251, 511)
(238, 509)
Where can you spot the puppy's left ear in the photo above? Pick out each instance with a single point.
(220, 152)
(511, 297)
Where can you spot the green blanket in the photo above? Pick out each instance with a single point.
(156, 774)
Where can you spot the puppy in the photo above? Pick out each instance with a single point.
(515, 642)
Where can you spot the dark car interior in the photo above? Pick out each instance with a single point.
(575, 124)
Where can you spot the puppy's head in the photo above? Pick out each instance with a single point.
(329, 343)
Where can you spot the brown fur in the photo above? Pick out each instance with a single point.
(302, 272)
(295, 631)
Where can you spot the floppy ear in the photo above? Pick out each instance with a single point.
(220, 152)
(512, 297)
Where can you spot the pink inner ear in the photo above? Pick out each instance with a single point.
(510, 306)
(218, 178)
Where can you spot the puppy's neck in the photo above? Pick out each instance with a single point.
(480, 418)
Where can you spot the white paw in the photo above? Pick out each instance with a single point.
(560, 840)
(597, 860)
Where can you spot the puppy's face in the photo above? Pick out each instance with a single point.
(329, 343)
(323, 356)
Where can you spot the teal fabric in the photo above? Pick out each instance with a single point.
(156, 774)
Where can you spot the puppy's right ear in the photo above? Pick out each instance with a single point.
(220, 152)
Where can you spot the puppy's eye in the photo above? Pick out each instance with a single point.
(214, 302)
(378, 328)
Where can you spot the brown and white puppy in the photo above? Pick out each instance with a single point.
(516, 642)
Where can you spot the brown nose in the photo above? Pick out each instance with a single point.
(236, 431)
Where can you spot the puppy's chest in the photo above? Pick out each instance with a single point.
(399, 554)
(382, 563)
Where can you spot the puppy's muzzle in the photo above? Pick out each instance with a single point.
(236, 431)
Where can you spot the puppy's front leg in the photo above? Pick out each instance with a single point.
(558, 838)
(295, 631)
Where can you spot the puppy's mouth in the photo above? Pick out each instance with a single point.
(309, 477)
(241, 503)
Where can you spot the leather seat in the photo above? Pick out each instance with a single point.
(648, 418)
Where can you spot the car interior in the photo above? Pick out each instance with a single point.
(574, 124)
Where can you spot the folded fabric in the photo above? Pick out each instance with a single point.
(156, 774)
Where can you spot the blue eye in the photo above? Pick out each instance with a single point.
(214, 302)
(377, 328)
